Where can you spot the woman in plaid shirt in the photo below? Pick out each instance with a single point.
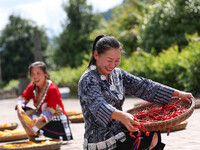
(102, 90)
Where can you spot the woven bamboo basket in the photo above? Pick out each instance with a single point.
(53, 146)
(76, 118)
(179, 126)
(154, 126)
(73, 113)
(12, 127)
(13, 137)
(197, 104)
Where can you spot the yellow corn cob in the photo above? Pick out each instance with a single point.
(9, 146)
(26, 118)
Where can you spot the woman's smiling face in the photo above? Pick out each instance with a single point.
(107, 61)
(38, 76)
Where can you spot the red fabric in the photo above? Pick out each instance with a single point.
(53, 96)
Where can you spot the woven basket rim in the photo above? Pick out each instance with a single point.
(197, 104)
(179, 126)
(77, 120)
(13, 126)
(153, 126)
(73, 113)
(13, 137)
(53, 146)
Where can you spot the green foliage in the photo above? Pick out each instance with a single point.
(107, 15)
(16, 42)
(74, 41)
(173, 68)
(145, 28)
(139, 63)
(13, 84)
(166, 69)
(167, 22)
(179, 70)
(68, 77)
(163, 68)
(190, 64)
(153, 24)
(124, 24)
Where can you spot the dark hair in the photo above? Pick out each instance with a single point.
(101, 44)
(41, 65)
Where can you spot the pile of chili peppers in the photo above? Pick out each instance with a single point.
(160, 113)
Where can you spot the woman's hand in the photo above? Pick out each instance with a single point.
(20, 109)
(126, 119)
(39, 119)
(129, 122)
(183, 95)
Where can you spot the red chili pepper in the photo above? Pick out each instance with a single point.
(168, 131)
(143, 128)
(177, 101)
(147, 133)
(138, 144)
(131, 134)
(134, 144)
(139, 133)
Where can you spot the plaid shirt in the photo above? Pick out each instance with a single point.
(99, 98)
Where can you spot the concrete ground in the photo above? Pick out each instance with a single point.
(187, 139)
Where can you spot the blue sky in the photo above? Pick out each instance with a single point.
(49, 13)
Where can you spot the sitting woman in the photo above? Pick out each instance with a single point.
(49, 117)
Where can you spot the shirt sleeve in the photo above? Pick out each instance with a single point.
(25, 96)
(147, 89)
(21, 101)
(90, 94)
(47, 114)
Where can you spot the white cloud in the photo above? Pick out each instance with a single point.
(47, 13)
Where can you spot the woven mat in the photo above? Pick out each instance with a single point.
(13, 137)
(12, 127)
(76, 118)
(73, 113)
(53, 146)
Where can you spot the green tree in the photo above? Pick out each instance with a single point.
(74, 41)
(168, 22)
(129, 15)
(124, 25)
(17, 48)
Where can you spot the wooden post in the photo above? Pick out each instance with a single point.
(37, 46)
(23, 83)
(0, 70)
